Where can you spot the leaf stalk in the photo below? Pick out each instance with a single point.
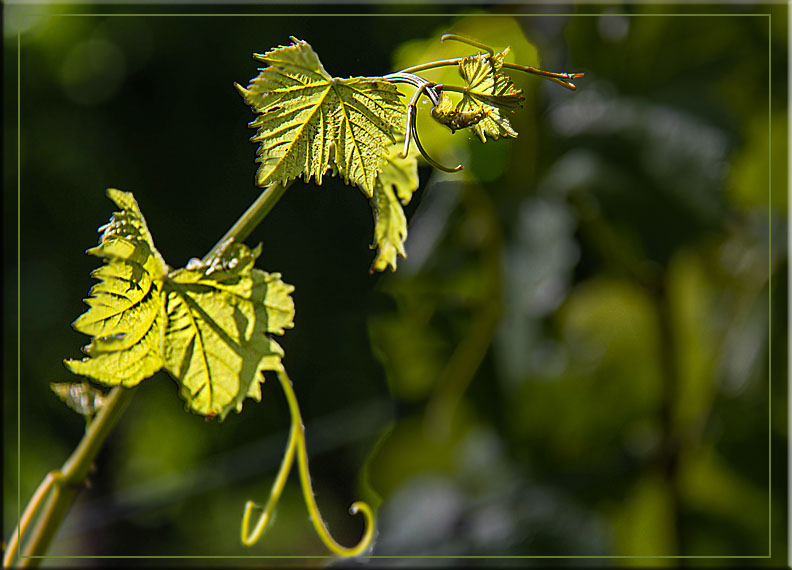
(252, 217)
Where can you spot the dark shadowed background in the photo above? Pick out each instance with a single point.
(577, 358)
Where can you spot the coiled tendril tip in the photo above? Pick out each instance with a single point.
(297, 445)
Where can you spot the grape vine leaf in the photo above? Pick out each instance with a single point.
(489, 89)
(208, 324)
(216, 342)
(393, 189)
(125, 318)
(309, 121)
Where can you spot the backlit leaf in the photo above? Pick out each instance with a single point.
(208, 324)
(125, 318)
(216, 343)
(392, 189)
(501, 31)
(491, 93)
(309, 121)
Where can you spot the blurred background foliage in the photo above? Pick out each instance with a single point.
(573, 359)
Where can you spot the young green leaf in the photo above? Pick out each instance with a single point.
(490, 93)
(446, 114)
(125, 318)
(216, 344)
(82, 397)
(207, 324)
(309, 121)
(396, 183)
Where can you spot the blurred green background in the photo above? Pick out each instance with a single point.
(572, 361)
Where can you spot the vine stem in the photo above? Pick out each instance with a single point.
(252, 217)
(61, 486)
(68, 480)
(297, 443)
(32, 507)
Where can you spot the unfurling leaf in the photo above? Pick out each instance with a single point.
(490, 95)
(309, 121)
(445, 113)
(125, 319)
(208, 325)
(82, 397)
(396, 183)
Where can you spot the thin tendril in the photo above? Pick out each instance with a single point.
(428, 158)
(468, 41)
(277, 489)
(415, 81)
(560, 78)
(411, 117)
(431, 65)
(411, 130)
(52, 478)
(297, 443)
(316, 517)
(457, 89)
(400, 77)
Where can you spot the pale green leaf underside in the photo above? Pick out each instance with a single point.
(309, 122)
(393, 189)
(208, 325)
(490, 89)
(217, 344)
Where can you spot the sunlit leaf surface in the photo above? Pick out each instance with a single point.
(309, 121)
(392, 190)
(490, 93)
(125, 319)
(207, 324)
(216, 344)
